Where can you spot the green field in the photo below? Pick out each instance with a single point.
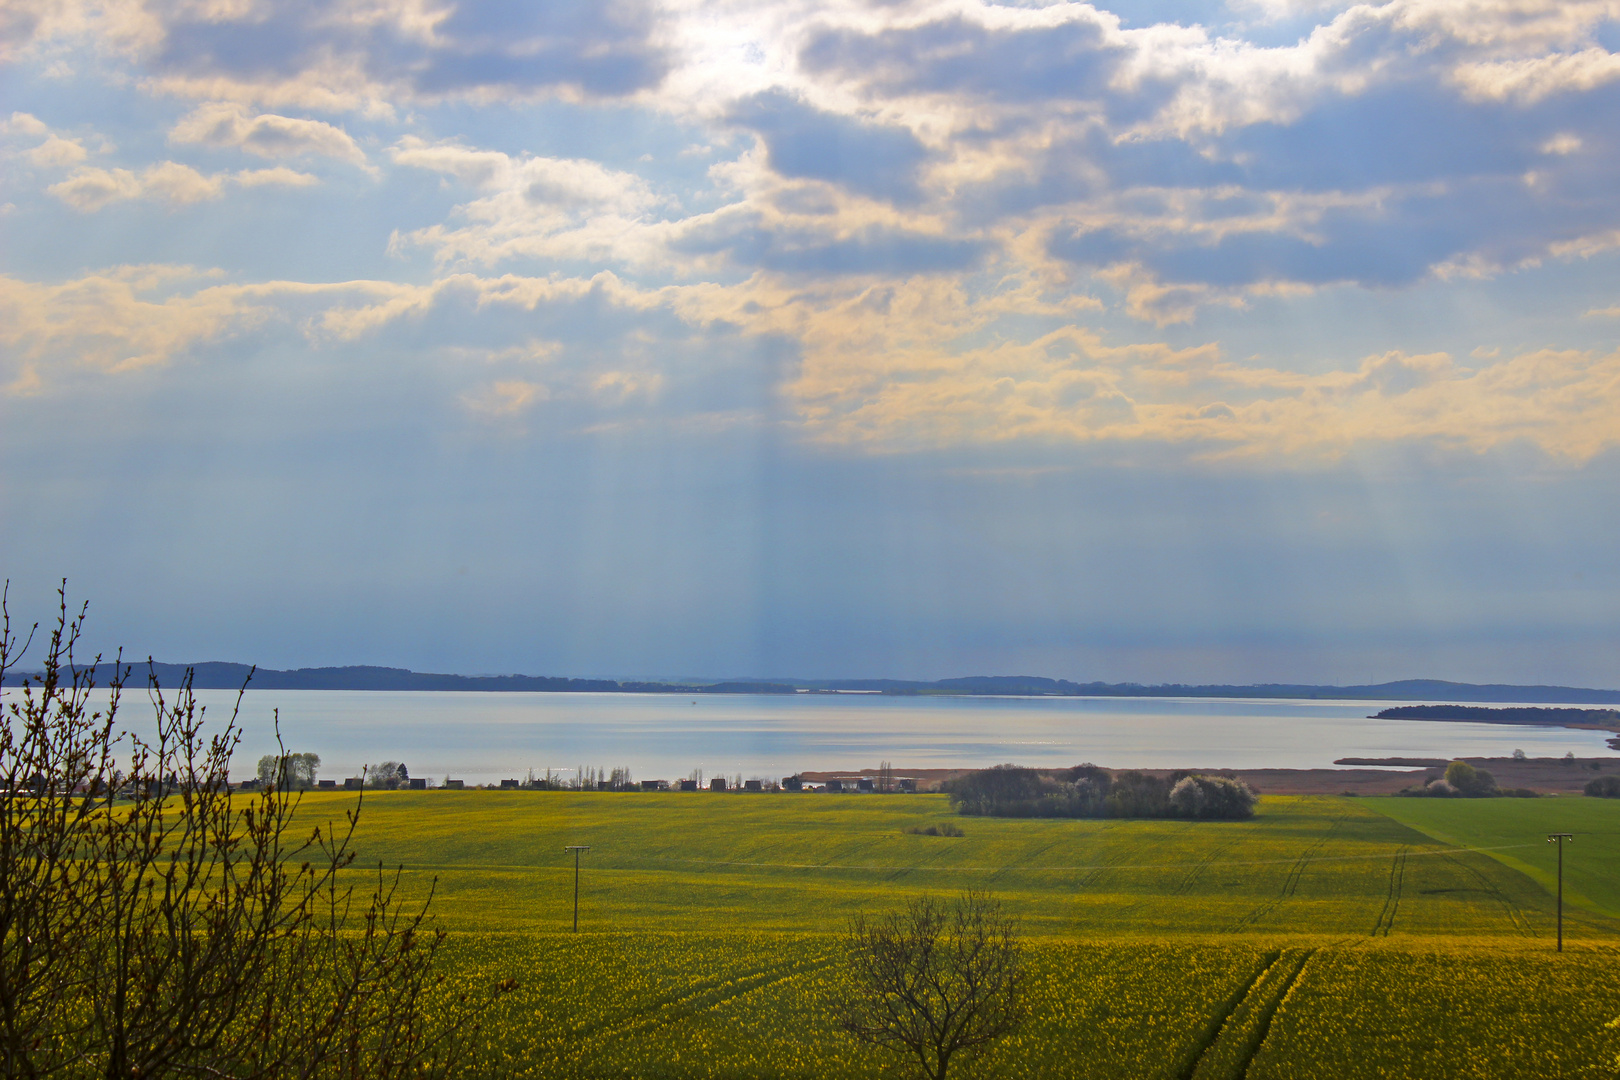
(1321, 939)
(1516, 831)
(1303, 866)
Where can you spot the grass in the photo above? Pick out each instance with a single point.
(1313, 866)
(1516, 832)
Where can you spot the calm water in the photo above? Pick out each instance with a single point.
(481, 737)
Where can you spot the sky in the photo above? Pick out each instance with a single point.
(1267, 340)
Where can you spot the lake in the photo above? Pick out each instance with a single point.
(483, 737)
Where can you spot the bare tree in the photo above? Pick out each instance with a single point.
(933, 981)
(179, 930)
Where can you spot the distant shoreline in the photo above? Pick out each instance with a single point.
(214, 675)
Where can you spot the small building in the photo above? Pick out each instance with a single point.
(325, 785)
(717, 784)
(604, 785)
(509, 785)
(792, 783)
(654, 785)
(753, 785)
(865, 784)
(834, 785)
(688, 785)
(908, 785)
(454, 785)
(354, 783)
(417, 783)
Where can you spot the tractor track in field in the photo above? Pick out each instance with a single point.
(1231, 1049)
(1197, 870)
(1392, 902)
(1232, 1004)
(1515, 916)
(1296, 871)
(694, 999)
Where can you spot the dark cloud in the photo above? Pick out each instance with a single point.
(1393, 242)
(806, 143)
(1069, 61)
(602, 49)
(802, 251)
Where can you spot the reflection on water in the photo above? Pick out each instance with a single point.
(482, 737)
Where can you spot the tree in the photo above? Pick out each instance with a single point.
(292, 772)
(1604, 787)
(934, 981)
(1218, 797)
(388, 776)
(155, 924)
(1471, 782)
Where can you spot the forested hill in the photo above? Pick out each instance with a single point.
(227, 676)
(1606, 718)
(214, 675)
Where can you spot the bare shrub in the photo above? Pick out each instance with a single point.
(153, 924)
(934, 981)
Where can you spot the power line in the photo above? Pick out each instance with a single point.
(1560, 838)
(576, 849)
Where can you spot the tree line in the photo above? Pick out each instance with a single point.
(1090, 791)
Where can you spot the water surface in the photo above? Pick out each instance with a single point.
(483, 737)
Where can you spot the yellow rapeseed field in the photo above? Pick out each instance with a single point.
(1320, 940)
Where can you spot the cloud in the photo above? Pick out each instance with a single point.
(1531, 79)
(804, 142)
(360, 54)
(506, 398)
(89, 189)
(227, 124)
(56, 153)
(280, 176)
(535, 207)
(956, 217)
(1075, 56)
(1071, 387)
(21, 123)
(119, 319)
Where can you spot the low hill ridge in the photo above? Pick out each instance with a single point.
(229, 676)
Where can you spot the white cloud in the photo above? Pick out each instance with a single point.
(1533, 78)
(227, 124)
(21, 123)
(90, 189)
(56, 153)
(119, 319)
(537, 207)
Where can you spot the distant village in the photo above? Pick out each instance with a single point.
(900, 785)
(298, 771)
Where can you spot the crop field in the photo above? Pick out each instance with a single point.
(1321, 939)
(1516, 835)
(805, 863)
(764, 1005)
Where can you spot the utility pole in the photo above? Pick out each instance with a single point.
(577, 848)
(1560, 838)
